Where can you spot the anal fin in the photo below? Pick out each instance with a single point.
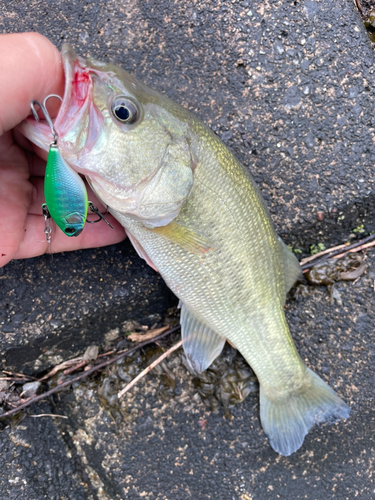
(201, 344)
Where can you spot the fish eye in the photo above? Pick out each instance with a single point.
(125, 110)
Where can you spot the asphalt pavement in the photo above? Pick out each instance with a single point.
(289, 88)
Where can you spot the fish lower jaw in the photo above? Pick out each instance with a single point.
(38, 133)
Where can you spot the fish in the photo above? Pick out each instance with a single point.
(195, 214)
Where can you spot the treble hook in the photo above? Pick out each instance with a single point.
(47, 223)
(46, 114)
(95, 210)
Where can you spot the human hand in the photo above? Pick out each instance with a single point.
(31, 68)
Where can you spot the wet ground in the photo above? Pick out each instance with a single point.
(289, 87)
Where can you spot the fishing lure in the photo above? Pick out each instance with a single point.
(64, 190)
(65, 194)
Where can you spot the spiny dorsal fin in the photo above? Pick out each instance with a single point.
(185, 237)
(201, 345)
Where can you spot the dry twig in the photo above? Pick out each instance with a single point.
(358, 249)
(48, 415)
(76, 367)
(149, 368)
(140, 337)
(367, 242)
(61, 366)
(320, 254)
(14, 379)
(359, 6)
(85, 374)
(21, 375)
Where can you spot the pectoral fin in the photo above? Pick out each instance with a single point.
(185, 237)
(201, 345)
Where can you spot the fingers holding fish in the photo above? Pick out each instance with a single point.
(34, 59)
(34, 242)
(22, 221)
(37, 64)
(15, 196)
(35, 154)
(21, 141)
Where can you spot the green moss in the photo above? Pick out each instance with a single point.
(359, 229)
(294, 250)
(319, 247)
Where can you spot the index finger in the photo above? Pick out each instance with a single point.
(30, 68)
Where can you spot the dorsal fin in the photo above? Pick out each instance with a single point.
(292, 269)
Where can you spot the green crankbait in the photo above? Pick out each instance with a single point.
(64, 190)
(65, 194)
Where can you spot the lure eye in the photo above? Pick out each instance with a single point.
(125, 110)
(69, 230)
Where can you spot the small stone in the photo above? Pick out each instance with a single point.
(278, 47)
(30, 389)
(225, 136)
(310, 140)
(4, 385)
(91, 353)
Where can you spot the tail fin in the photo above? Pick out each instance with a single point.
(287, 421)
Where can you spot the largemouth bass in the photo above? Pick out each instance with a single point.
(194, 213)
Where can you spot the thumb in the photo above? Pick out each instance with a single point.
(30, 68)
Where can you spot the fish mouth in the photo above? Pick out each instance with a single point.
(78, 85)
(78, 122)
